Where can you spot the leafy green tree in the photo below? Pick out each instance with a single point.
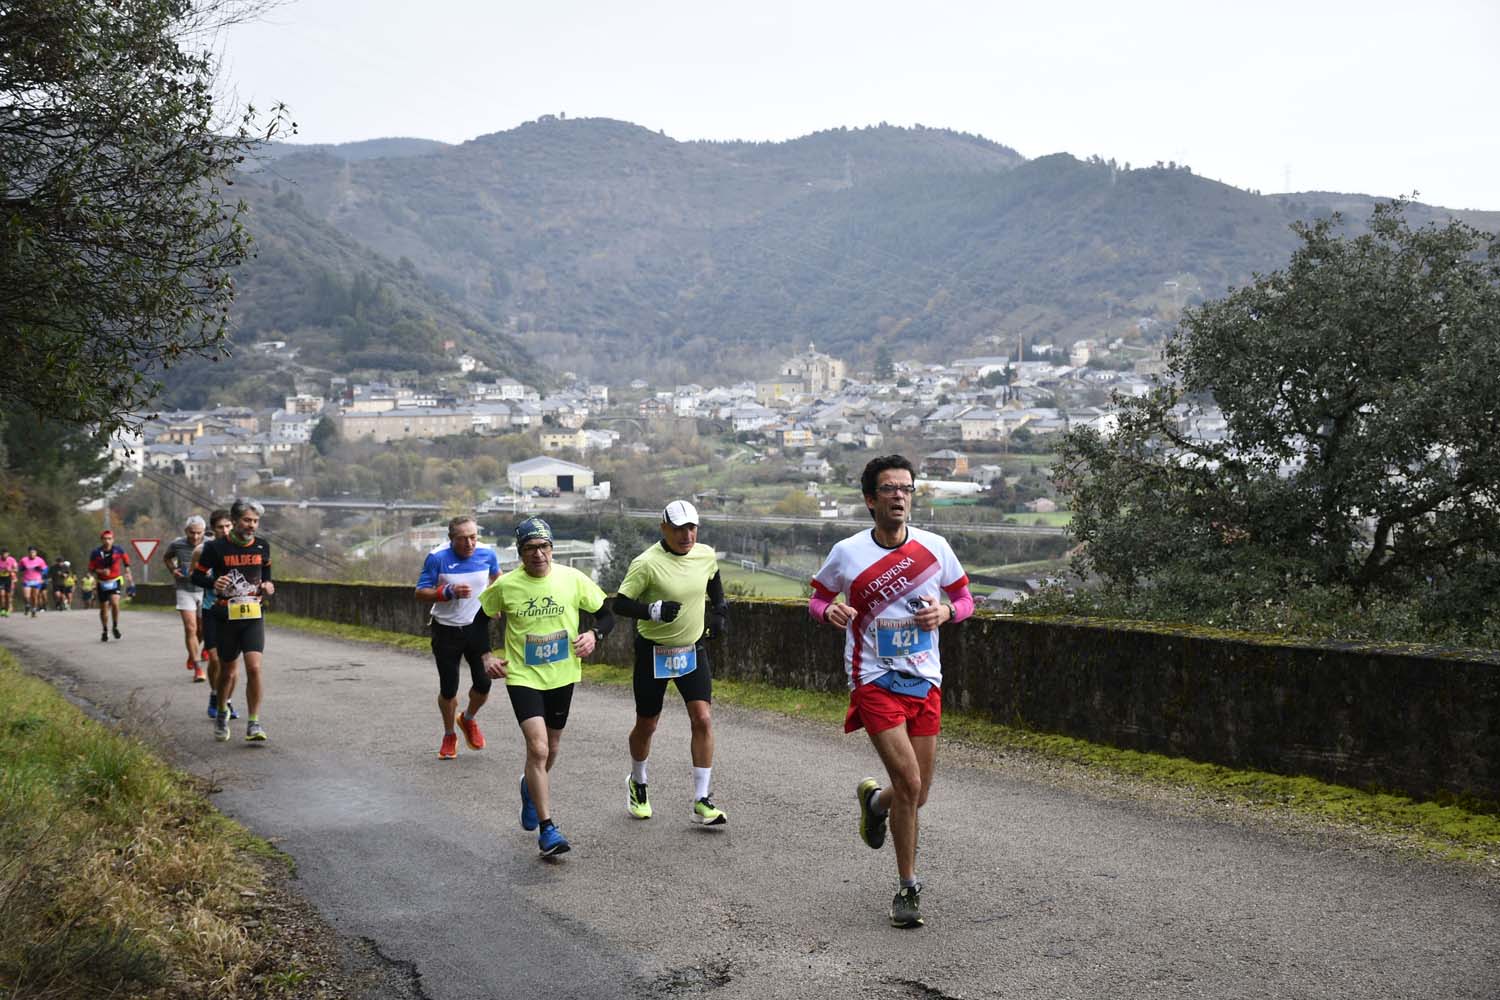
(1358, 387)
(325, 435)
(55, 453)
(999, 377)
(116, 232)
(796, 503)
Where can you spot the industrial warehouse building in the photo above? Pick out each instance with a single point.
(549, 473)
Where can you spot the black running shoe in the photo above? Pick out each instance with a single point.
(871, 823)
(906, 907)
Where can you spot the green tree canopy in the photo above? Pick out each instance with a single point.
(116, 232)
(1361, 406)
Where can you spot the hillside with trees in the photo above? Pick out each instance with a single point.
(1353, 491)
(630, 253)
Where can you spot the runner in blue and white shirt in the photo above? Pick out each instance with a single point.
(451, 580)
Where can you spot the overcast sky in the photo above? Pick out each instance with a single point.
(1370, 97)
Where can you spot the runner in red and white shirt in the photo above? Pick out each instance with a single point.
(110, 565)
(891, 588)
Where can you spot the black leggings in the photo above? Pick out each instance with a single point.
(452, 644)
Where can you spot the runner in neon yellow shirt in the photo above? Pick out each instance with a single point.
(542, 661)
(666, 589)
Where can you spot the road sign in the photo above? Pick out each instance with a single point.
(144, 547)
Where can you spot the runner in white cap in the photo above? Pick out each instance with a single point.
(665, 590)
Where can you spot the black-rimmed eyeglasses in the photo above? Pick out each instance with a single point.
(891, 489)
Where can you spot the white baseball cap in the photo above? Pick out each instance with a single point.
(679, 513)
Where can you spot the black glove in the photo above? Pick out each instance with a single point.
(665, 611)
(718, 623)
(130, 591)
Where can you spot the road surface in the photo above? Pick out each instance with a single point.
(1034, 889)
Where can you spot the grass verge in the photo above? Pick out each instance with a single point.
(1468, 832)
(117, 878)
(752, 584)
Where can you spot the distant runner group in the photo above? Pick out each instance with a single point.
(33, 577)
(889, 589)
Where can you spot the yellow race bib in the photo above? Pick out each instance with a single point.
(244, 609)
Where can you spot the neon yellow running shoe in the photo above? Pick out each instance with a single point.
(636, 802)
(708, 814)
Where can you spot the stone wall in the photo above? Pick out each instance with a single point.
(1421, 722)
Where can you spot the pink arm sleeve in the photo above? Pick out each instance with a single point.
(961, 599)
(817, 604)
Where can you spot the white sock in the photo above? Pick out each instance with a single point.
(637, 771)
(700, 782)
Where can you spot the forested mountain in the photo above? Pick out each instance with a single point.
(615, 251)
(364, 149)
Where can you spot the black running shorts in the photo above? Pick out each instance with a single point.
(240, 637)
(552, 705)
(650, 692)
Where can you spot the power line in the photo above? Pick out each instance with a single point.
(192, 495)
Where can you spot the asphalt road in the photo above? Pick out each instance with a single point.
(1034, 889)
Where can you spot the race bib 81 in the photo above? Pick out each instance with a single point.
(243, 609)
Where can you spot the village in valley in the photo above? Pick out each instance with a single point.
(382, 461)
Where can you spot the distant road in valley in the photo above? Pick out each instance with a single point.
(945, 527)
(561, 506)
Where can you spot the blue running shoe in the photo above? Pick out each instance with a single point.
(528, 809)
(551, 842)
(213, 705)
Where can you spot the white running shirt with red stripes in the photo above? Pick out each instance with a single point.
(879, 582)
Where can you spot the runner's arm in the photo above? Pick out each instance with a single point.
(604, 620)
(658, 611)
(203, 569)
(716, 593)
(960, 602)
(428, 591)
(824, 606)
(718, 608)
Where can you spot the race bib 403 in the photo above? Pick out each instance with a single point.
(673, 661)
